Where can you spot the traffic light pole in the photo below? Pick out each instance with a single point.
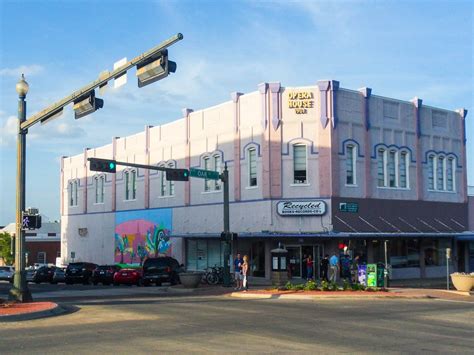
(225, 180)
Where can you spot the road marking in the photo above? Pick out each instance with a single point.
(456, 301)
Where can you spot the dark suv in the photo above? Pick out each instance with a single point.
(162, 269)
(104, 274)
(79, 272)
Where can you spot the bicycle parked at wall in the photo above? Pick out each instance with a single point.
(214, 275)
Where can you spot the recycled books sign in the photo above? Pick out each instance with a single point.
(301, 208)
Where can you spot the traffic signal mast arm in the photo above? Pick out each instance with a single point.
(99, 82)
(143, 166)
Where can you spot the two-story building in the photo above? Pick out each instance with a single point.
(318, 168)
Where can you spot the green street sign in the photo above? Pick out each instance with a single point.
(204, 174)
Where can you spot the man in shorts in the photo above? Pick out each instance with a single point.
(238, 262)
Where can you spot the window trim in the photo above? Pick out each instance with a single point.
(397, 171)
(306, 182)
(251, 150)
(353, 164)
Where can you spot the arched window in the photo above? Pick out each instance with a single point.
(351, 154)
(393, 168)
(450, 168)
(441, 172)
(217, 167)
(299, 164)
(431, 170)
(75, 193)
(207, 182)
(381, 167)
(127, 185)
(70, 194)
(252, 166)
(130, 185)
(162, 181)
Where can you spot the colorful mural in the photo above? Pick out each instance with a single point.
(143, 233)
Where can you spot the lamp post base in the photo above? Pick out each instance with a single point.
(20, 291)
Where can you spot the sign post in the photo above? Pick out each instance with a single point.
(448, 256)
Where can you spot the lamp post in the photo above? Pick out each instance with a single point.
(20, 291)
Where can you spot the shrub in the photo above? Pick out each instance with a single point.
(324, 285)
(346, 285)
(310, 286)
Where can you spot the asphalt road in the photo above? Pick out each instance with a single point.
(228, 325)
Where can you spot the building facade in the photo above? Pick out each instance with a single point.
(320, 169)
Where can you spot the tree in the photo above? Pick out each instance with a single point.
(6, 248)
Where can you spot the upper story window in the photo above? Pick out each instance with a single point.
(162, 182)
(130, 185)
(171, 182)
(217, 167)
(299, 164)
(99, 189)
(213, 163)
(207, 182)
(392, 168)
(441, 173)
(252, 163)
(72, 193)
(351, 152)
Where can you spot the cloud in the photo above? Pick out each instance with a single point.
(8, 131)
(28, 70)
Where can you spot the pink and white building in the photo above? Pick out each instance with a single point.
(316, 168)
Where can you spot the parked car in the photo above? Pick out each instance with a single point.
(6, 273)
(161, 269)
(79, 272)
(59, 276)
(43, 274)
(104, 274)
(128, 277)
(30, 272)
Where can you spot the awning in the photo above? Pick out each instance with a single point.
(466, 237)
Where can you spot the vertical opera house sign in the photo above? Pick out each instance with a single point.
(300, 101)
(301, 208)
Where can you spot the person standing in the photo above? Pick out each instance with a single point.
(334, 264)
(245, 273)
(238, 262)
(324, 268)
(309, 267)
(355, 269)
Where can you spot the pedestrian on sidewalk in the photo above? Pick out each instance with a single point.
(238, 262)
(309, 268)
(324, 268)
(245, 273)
(334, 263)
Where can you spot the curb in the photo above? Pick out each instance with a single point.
(315, 297)
(56, 311)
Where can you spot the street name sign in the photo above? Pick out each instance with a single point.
(204, 174)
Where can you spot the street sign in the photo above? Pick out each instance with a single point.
(204, 174)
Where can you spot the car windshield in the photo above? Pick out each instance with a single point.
(4, 268)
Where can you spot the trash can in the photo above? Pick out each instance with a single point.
(279, 266)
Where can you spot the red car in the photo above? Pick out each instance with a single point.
(128, 277)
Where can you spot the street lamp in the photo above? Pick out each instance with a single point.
(20, 291)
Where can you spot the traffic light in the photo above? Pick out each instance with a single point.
(177, 174)
(154, 69)
(227, 237)
(31, 221)
(87, 104)
(104, 165)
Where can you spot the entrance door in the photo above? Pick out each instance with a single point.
(294, 257)
(315, 252)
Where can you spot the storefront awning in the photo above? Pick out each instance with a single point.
(466, 237)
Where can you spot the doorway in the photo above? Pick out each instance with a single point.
(297, 256)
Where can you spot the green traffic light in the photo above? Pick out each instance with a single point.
(111, 165)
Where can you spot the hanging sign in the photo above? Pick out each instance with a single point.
(301, 208)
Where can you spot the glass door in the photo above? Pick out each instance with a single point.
(294, 257)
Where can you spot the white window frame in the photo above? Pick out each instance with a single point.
(206, 166)
(305, 183)
(384, 153)
(407, 169)
(353, 164)
(70, 194)
(446, 159)
(134, 184)
(163, 187)
(127, 185)
(217, 165)
(384, 166)
(451, 161)
(96, 184)
(75, 193)
(251, 151)
(102, 188)
(130, 185)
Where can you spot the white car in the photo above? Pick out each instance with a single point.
(6, 273)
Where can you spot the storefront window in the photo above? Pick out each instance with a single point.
(404, 253)
(435, 251)
(203, 253)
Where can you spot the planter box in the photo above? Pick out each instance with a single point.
(190, 279)
(463, 282)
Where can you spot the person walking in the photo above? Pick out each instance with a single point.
(238, 262)
(334, 264)
(324, 268)
(245, 273)
(309, 268)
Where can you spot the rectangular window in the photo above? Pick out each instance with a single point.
(41, 259)
(96, 190)
(102, 183)
(171, 182)
(440, 174)
(134, 185)
(217, 167)
(163, 184)
(350, 162)
(252, 167)
(207, 182)
(127, 186)
(431, 169)
(391, 169)
(403, 169)
(381, 168)
(74, 203)
(299, 164)
(71, 201)
(449, 174)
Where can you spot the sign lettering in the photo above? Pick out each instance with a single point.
(301, 101)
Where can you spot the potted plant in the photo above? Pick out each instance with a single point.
(190, 279)
(462, 281)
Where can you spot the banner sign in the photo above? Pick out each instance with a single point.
(301, 208)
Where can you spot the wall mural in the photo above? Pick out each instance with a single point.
(139, 234)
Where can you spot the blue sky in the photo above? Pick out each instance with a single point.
(399, 49)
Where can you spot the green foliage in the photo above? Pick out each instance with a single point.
(5, 248)
(310, 286)
(358, 287)
(324, 285)
(346, 285)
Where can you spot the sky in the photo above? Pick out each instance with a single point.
(401, 49)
